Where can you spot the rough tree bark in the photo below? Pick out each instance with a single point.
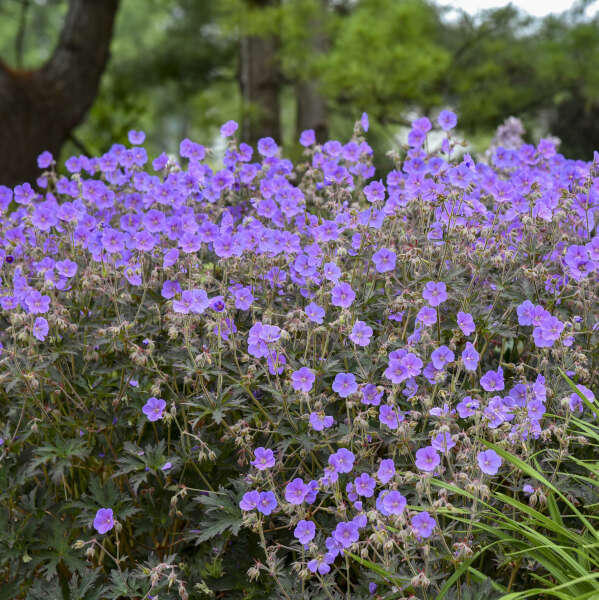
(260, 82)
(312, 110)
(40, 108)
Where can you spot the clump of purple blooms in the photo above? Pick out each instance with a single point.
(353, 336)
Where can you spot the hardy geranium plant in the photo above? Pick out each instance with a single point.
(273, 366)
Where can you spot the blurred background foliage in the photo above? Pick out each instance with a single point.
(176, 67)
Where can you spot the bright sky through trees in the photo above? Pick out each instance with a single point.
(537, 8)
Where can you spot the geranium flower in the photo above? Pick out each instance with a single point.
(305, 531)
(296, 491)
(427, 459)
(342, 295)
(386, 470)
(489, 462)
(266, 503)
(104, 520)
(263, 458)
(466, 323)
(394, 503)
(342, 461)
(423, 525)
(154, 408)
(384, 260)
(345, 384)
(492, 381)
(303, 379)
(361, 333)
(435, 293)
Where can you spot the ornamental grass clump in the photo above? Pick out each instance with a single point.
(264, 379)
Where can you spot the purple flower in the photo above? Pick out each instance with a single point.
(497, 412)
(435, 293)
(250, 500)
(228, 129)
(37, 303)
(384, 260)
(394, 503)
(303, 379)
(551, 328)
(264, 458)
(136, 137)
(342, 461)
(443, 442)
(525, 312)
(170, 289)
(576, 403)
(374, 191)
(492, 381)
(194, 152)
(447, 120)
(386, 470)
(104, 520)
(267, 147)
(535, 410)
(153, 408)
(364, 121)
(470, 357)
(371, 395)
(314, 312)
(467, 407)
(427, 459)
(40, 329)
(423, 525)
(276, 363)
(441, 357)
(331, 272)
(396, 371)
(466, 323)
(44, 160)
(412, 363)
(243, 297)
(402, 367)
(422, 124)
(443, 411)
(364, 485)
(307, 137)
(183, 306)
(345, 384)
(321, 564)
(217, 304)
(296, 491)
(371, 585)
(427, 315)
(346, 534)
(305, 531)
(389, 416)
(67, 268)
(361, 333)
(160, 162)
(342, 295)
(266, 503)
(319, 421)
(489, 462)
(528, 489)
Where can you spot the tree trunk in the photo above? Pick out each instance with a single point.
(311, 106)
(39, 109)
(260, 82)
(311, 110)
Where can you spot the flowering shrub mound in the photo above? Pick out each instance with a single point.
(274, 380)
